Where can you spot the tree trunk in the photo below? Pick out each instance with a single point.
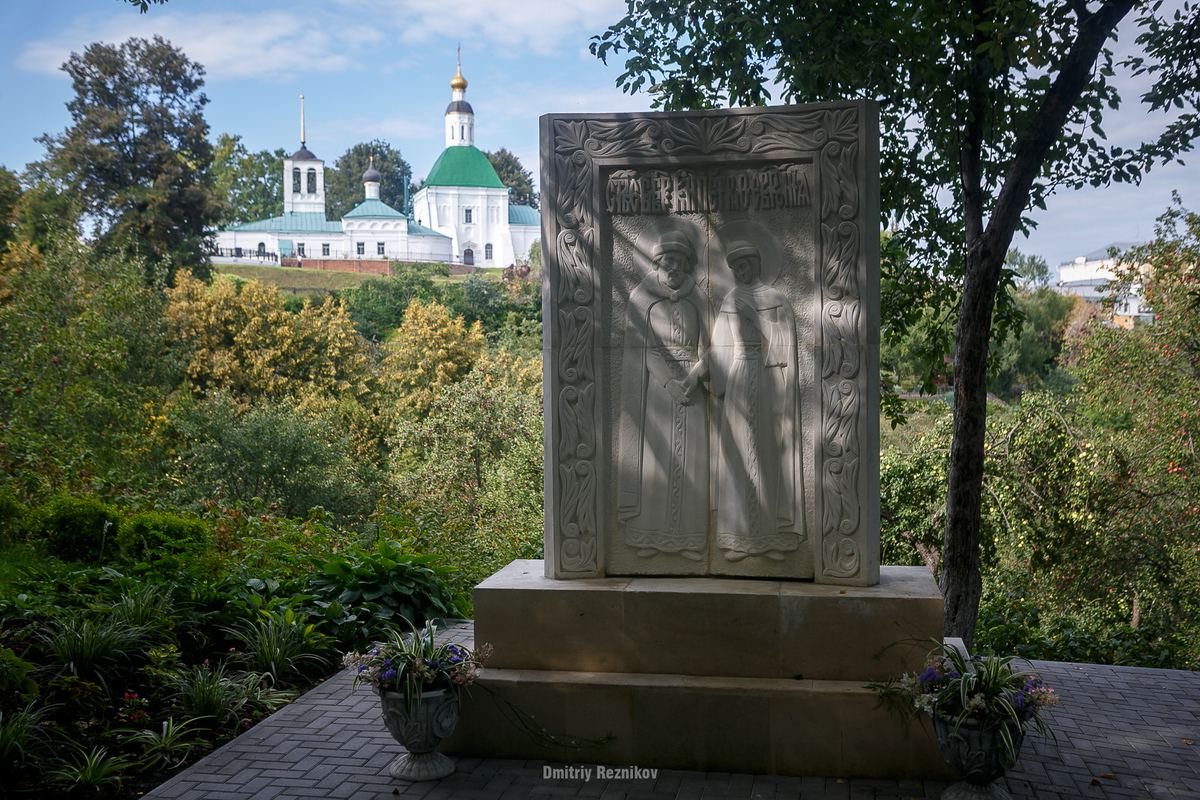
(960, 580)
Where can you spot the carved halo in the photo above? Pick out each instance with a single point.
(643, 245)
(748, 230)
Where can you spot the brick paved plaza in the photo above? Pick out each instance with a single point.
(1139, 726)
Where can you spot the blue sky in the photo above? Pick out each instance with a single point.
(381, 69)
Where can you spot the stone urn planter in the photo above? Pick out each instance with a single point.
(979, 755)
(420, 732)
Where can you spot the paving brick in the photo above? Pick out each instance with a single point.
(331, 743)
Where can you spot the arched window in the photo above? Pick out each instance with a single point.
(312, 181)
(295, 180)
(487, 252)
(469, 257)
(262, 248)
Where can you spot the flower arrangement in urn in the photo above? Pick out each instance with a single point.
(418, 681)
(979, 706)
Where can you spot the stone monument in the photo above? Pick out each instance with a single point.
(711, 595)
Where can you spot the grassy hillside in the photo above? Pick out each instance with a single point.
(315, 280)
(303, 280)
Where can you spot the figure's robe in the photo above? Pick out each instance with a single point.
(663, 467)
(753, 367)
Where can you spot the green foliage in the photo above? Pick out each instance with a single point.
(137, 153)
(94, 772)
(411, 589)
(475, 496)
(84, 362)
(167, 748)
(77, 528)
(1031, 271)
(240, 337)
(213, 696)
(377, 306)
(344, 183)
(21, 735)
(153, 534)
(280, 642)
(93, 648)
(250, 184)
(432, 350)
(1025, 362)
(10, 194)
(514, 175)
(276, 452)
(15, 677)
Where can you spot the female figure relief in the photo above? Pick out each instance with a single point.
(663, 492)
(753, 367)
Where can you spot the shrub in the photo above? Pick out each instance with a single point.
(93, 647)
(410, 587)
(280, 642)
(11, 512)
(77, 528)
(152, 534)
(95, 772)
(21, 735)
(278, 452)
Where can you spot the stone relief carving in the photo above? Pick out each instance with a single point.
(663, 459)
(574, 150)
(759, 506)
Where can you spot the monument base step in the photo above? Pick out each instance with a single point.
(746, 725)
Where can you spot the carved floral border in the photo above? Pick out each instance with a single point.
(575, 143)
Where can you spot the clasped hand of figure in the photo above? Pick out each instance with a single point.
(681, 390)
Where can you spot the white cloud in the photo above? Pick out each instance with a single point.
(272, 44)
(538, 26)
(392, 128)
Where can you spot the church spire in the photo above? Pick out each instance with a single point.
(302, 121)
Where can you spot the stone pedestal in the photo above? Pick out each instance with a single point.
(730, 675)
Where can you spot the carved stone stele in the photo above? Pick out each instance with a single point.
(711, 318)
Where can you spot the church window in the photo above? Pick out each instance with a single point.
(460, 131)
(312, 181)
(467, 215)
(362, 248)
(379, 248)
(296, 180)
(262, 248)
(469, 257)
(300, 248)
(325, 248)
(487, 252)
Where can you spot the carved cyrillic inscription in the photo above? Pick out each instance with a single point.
(688, 191)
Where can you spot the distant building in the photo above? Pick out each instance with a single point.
(1088, 277)
(464, 199)
(461, 214)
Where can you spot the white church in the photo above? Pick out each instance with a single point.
(461, 214)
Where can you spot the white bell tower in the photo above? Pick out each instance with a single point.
(460, 117)
(303, 178)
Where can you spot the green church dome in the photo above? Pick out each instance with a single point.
(463, 165)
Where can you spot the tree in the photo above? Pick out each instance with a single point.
(985, 109)
(513, 175)
(136, 155)
(431, 352)
(241, 338)
(344, 183)
(1031, 271)
(251, 184)
(10, 194)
